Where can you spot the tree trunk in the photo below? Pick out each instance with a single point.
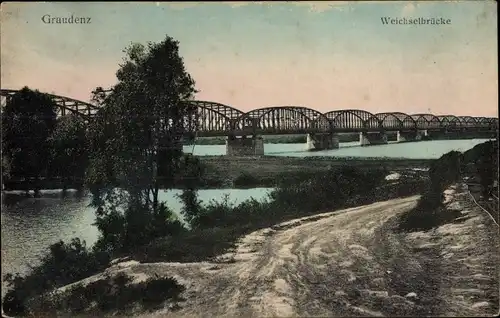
(155, 198)
(37, 187)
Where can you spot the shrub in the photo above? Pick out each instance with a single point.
(113, 294)
(65, 264)
(429, 212)
(193, 246)
(121, 232)
(245, 180)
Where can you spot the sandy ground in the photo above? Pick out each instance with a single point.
(345, 263)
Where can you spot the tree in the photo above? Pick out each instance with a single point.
(69, 149)
(5, 168)
(192, 177)
(27, 121)
(486, 167)
(136, 141)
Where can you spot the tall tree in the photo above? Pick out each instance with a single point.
(27, 121)
(136, 141)
(69, 149)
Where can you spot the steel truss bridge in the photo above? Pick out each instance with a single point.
(215, 119)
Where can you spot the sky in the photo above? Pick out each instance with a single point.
(325, 56)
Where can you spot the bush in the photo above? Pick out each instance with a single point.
(68, 263)
(245, 180)
(65, 264)
(429, 212)
(121, 232)
(193, 246)
(219, 225)
(113, 294)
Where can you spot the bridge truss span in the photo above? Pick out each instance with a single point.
(353, 120)
(427, 121)
(448, 121)
(283, 119)
(208, 118)
(399, 121)
(468, 121)
(65, 105)
(214, 118)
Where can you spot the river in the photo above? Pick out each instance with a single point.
(411, 150)
(30, 225)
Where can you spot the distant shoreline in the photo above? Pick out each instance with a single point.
(223, 172)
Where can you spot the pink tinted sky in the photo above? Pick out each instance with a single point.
(251, 56)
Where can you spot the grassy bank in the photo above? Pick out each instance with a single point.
(480, 162)
(442, 233)
(215, 229)
(244, 172)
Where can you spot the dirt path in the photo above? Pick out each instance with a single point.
(328, 266)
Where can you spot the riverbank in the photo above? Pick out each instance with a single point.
(460, 257)
(350, 262)
(215, 230)
(245, 172)
(264, 171)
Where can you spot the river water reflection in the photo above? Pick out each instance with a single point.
(30, 225)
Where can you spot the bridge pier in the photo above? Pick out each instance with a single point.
(243, 146)
(322, 141)
(376, 138)
(411, 135)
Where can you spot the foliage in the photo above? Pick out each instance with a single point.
(28, 120)
(65, 264)
(112, 294)
(136, 141)
(445, 170)
(486, 161)
(245, 179)
(327, 189)
(68, 145)
(429, 212)
(121, 232)
(221, 223)
(5, 168)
